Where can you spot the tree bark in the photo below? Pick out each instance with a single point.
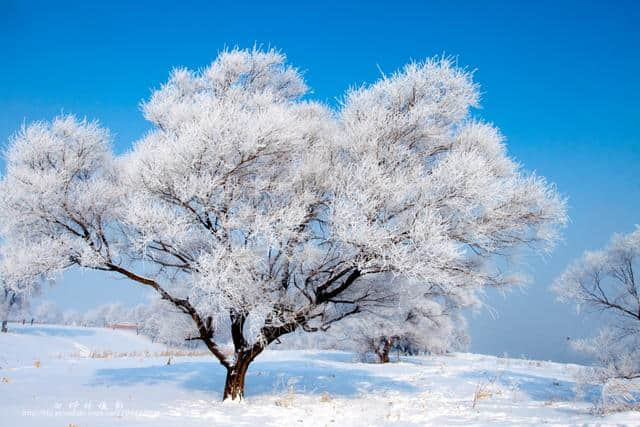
(234, 383)
(383, 353)
(245, 353)
(4, 326)
(236, 373)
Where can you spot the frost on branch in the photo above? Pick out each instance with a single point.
(606, 281)
(58, 198)
(253, 209)
(421, 325)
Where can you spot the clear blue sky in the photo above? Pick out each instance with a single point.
(561, 79)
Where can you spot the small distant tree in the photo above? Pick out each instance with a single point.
(607, 281)
(71, 317)
(114, 313)
(10, 301)
(255, 211)
(163, 323)
(48, 312)
(419, 325)
(105, 315)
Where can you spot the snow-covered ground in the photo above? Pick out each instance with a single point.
(53, 375)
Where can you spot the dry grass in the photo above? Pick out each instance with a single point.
(37, 364)
(485, 390)
(286, 400)
(619, 395)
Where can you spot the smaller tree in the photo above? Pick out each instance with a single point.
(10, 300)
(161, 322)
(48, 312)
(607, 281)
(71, 317)
(105, 315)
(418, 325)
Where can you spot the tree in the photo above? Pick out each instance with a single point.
(105, 315)
(607, 281)
(416, 325)
(71, 317)
(253, 210)
(10, 300)
(162, 322)
(48, 312)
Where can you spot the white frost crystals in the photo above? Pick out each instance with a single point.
(54, 172)
(607, 280)
(255, 211)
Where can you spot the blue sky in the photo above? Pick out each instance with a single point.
(559, 78)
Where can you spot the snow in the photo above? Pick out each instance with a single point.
(130, 384)
(28, 343)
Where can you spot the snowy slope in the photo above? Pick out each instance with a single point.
(26, 344)
(315, 388)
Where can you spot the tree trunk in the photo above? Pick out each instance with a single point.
(234, 384)
(4, 326)
(383, 353)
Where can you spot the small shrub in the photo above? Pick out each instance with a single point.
(485, 390)
(286, 401)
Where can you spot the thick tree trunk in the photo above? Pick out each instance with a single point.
(234, 384)
(383, 353)
(245, 353)
(4, 326)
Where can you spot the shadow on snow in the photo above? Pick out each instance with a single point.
(263, 377)
(538, 388)
(315, 376)
(52, 331)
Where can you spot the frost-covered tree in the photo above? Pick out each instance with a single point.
(10, 302)
(72, 318)
(159, 320)
(255, 211)
(162, 322)
(106, 315)
(607, 280)
(416, 325)
(48, 312)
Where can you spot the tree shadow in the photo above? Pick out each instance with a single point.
(537, 387)
(263, 377)
(331, 356)
(52, 331)
(311, 374)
